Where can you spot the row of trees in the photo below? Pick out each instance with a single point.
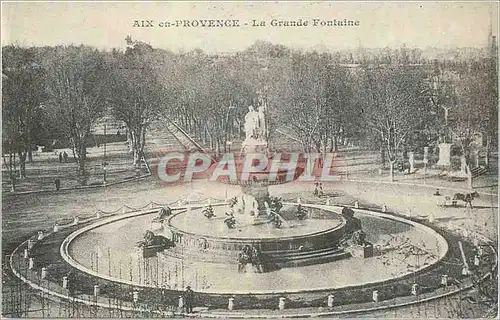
(61, 92)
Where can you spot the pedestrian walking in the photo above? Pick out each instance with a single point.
(60, 157)
(316, 192)
(65, 155)
(189, 299)
(57, 182)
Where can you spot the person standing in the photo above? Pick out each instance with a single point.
(65, 155)
(189, 299)
(60, 157)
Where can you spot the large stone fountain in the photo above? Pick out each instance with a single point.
(250, 228)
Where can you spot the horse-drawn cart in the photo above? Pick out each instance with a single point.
(453, 202)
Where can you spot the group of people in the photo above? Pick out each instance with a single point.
(318, 189)
(63, 156)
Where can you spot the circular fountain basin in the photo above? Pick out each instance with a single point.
(114, 243)
(295, 243)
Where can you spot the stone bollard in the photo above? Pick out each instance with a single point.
(477, 262)
(30, 244)
(480, 251)
(375, 296)
(151, 205)
(465, 271)
(444, 280)
(384, 208)
(356, 204)
(65, 282)
(56, 227)
(281, 303)
(299, 201)
(411, 160)
(124, 209)
(40, 235)
(44, 273)
(327, 201)
(25, 254)
(414, 289)
(181, 302)
(330, 300)
(96, 290)
(230, 304)
(76, 221)
(98, 214)
(31, 263)
(135, 296)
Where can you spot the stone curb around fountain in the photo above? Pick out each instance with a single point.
(237, 315)
(216, 315)
(64, 250)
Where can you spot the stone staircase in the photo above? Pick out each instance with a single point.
(479, 171)
(304, 258)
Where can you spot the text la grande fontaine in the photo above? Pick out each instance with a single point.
(305, 23)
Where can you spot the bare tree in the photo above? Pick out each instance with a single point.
(136, 95)
(22, 97)
(394, 105)
(476, 109)
(77, 91)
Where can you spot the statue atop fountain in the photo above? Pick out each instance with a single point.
(252, 203)
(255, 131)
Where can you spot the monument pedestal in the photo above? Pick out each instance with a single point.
(444, 154)
(463, 166)
(474, 159)
(411, 159)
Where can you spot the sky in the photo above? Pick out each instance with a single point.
(381, 24)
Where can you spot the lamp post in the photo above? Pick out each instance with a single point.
(105, 168)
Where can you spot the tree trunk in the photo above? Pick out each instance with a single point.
(487, 156)
(469, 176)
(136, 160)
(74, 153)
(12, 175)
(136, 148)
(82, 157)
(130, 141)
(335, 143)
(22, 164)
(391, 169)
(382, 156)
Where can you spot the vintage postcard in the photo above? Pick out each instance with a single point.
(249, 159)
